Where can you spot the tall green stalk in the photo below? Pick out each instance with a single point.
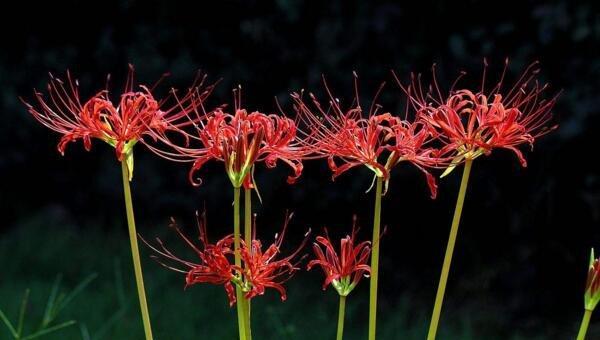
(375, 260)
(135, 253)
(439, 298)
(584, 324)
(248, 217)
(238, 262)
(248, 241)
(341, 314)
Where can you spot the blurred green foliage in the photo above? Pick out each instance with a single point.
(57, 302)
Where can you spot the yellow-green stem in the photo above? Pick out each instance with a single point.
(238, 262)
(248, 216)
(375, 260)
(135, 253)
(246, 309)
(584, 324)
(439, 298)
(341, 314)
(248, 241)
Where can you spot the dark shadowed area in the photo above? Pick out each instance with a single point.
(521, 258)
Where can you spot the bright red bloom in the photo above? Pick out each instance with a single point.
(239, 140)
(260, 270)
(472, 123)
(345, 270)
(348, 137)
(215, 260)
(263, 270)
(121, 125)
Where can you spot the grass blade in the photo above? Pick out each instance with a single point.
(22, 313)
(47, 318)
(85, 333)
(80, 287)
(101, 333)
(50, 330)
(9, 325)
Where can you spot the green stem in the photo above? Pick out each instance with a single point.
(584, 324)
(439, 298)
(375, 260)
(248, 241)
(135, 253)
(341, 314)
(238, 262)
(247, 331)
(248, 217)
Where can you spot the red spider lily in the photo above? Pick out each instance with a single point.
(263, 270)
(239, 140)
(592, 284)
(355, 140)
(121, 125)
(472, 123)
(412, 144)
(260, 269)
(346, 135)
(345, 270)
(214, 267)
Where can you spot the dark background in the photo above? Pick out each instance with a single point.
(521, 258)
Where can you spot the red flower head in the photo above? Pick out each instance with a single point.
(263, 270)
(215, 260)
(355, 140)
(472, 123)
(592, 284)
(240, 140)
(260, 269)
(345, 270)
(121, 125)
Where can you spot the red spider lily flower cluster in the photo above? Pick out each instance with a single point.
(121, 125)
(592, 284)
(259, 271)
(348, 137)
(345, 270)
(471, 123)
(239, 140)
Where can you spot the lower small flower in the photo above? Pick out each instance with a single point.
(344, 270)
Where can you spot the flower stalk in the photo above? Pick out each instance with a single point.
(135, 253)
(341, 314)
(439, 298)
(248, 216)
(248, 241)
(375, 260)
(584, 324)
(238, 262)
